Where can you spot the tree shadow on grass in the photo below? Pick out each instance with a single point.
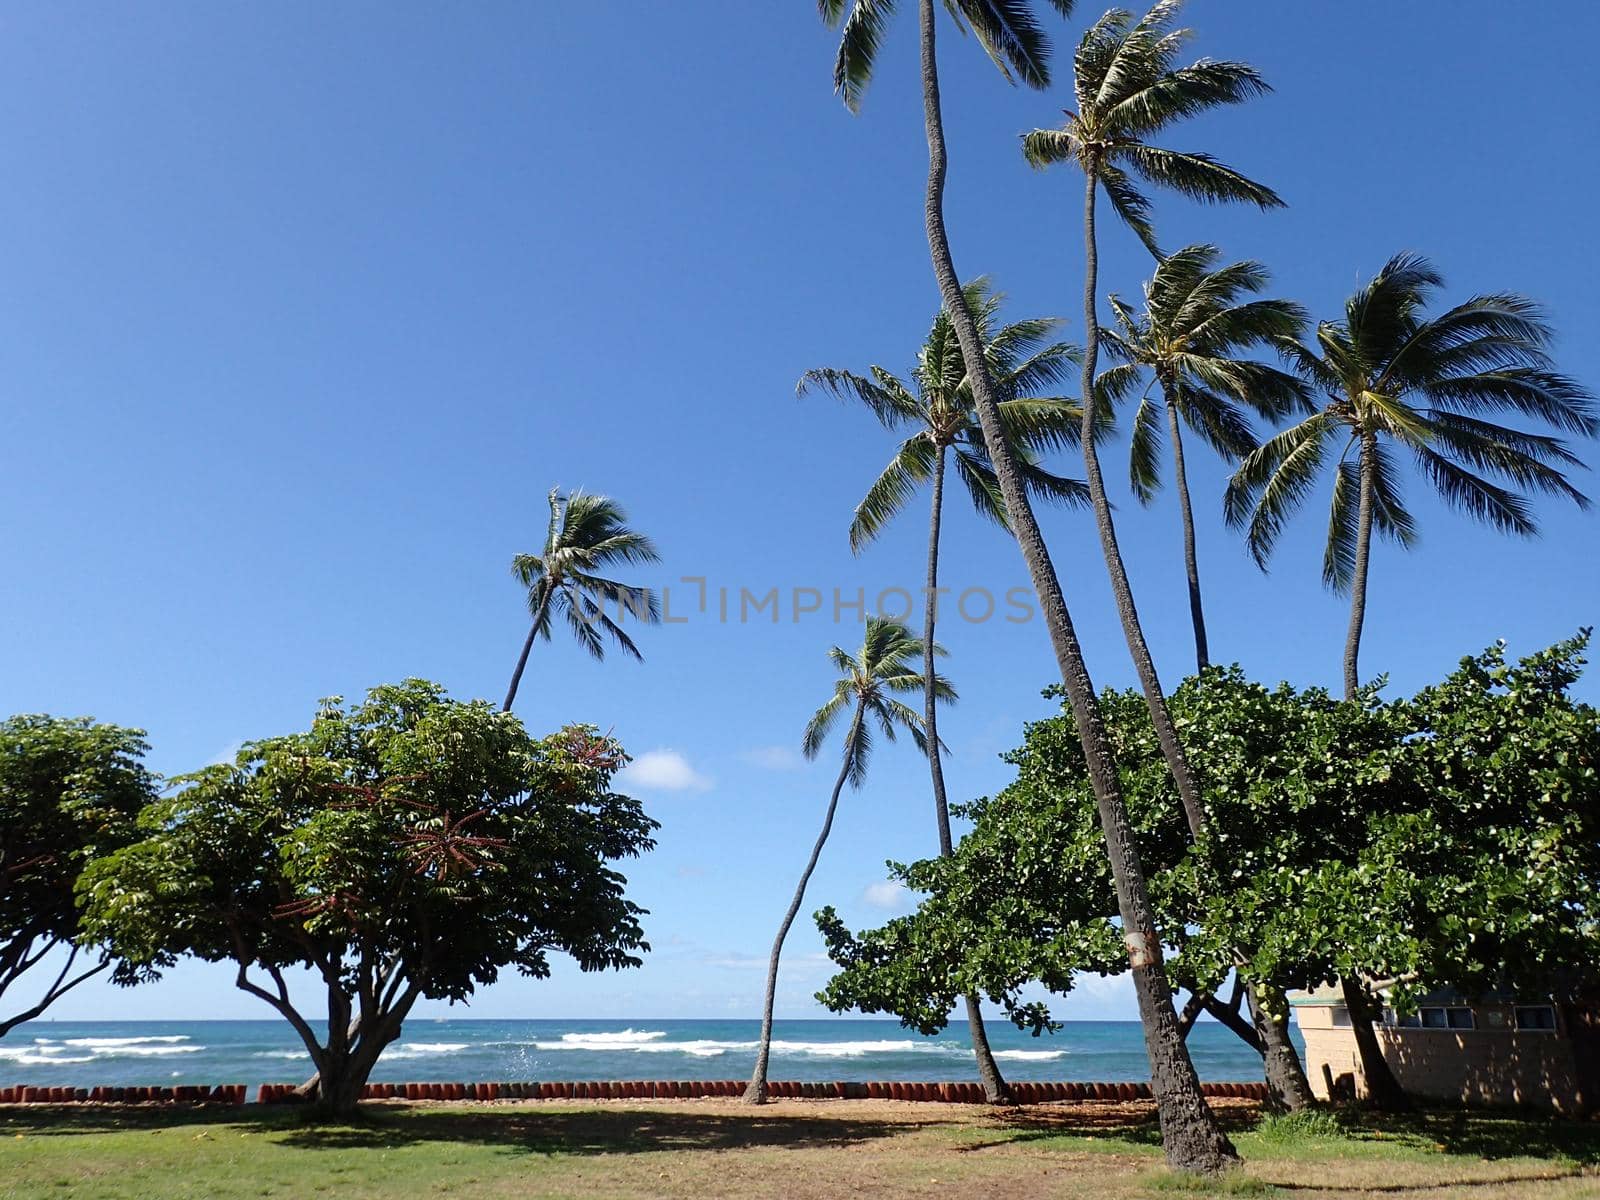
(1486, 1134)
(1121, 1122)
(530, 1130)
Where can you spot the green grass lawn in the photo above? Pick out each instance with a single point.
(797, 1149)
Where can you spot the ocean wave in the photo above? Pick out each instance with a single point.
(425, 1049)
(116, 1043)
(24, 1056)
(649, 1043)
(1031, 1055)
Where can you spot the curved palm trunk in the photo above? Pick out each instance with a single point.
(1132, 630)
(1383, 1089)
(1358, 581)
(1202, 655)
(756, 1093)
(527, 646)
(994, 1084)
(1190, 1134)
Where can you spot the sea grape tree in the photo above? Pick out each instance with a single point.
(69, 791)
(403, 848)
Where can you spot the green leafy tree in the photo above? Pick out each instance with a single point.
(1191, 340)
(587, 534)
(1009, 32)
(1394, 378)
(870, 682)
(69, 792)
(936, 406)
(1446, 840)
(407, 847)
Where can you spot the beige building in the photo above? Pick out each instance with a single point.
(1495, 1050)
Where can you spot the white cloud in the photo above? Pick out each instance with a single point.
(662, 770)
(774, 758)
(886, 894)
(226, 756)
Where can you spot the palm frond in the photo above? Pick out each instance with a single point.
(1144, 450)
(888, 399)
(1273, 481)
(859, 41)
(912, 464)
(1197, 176)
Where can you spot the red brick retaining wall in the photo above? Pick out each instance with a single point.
(1026, 1092)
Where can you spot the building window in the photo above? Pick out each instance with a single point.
(1432, 1018)
(1540, 1017)
(1341, 1016)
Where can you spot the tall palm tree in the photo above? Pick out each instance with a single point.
(869, 681)
(1129, 88)
(937, 407)
(1190, 339)
(1190, 1134)
(1390, 375)
(587, 533)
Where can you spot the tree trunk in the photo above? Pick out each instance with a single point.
(527, 646)
(1190, 1134)
(1202, 655)
(1132, 630)
(1286, 1074)
(1358, 580)
(756, 1093)
(1383, 1089)
(995, 1090)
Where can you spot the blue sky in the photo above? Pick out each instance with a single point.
(307, 307)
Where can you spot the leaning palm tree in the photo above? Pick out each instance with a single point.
(1129, 87)
(1190, 341)
(869, 681)
(937, 407)
(1393, 377)
(1006, 29)
(587, 533)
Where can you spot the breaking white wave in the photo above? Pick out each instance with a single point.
(425, 1049)
(1031, 1055)
(37, 1056)
(49, 1051)
(114, 1043)
(650, 1042)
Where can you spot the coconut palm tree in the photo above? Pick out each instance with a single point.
(1129, 87)
(587, 533)
(937, 407)
(887, 666)
(1190, 340)
(1190, 1135)
(1392, 377)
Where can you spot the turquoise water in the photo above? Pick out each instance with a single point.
(167, 1053)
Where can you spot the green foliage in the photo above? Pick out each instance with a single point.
(69, 792)
(1298, 1128)
(408, 846)
(1452, 838)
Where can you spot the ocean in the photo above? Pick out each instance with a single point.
(168, 1053)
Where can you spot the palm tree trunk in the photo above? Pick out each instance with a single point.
(1132, 630)
(1358, 581)
(1202, 655)
(1383, 1089)
(527, 646)
(995, 1090)
(756, 1093)
(1190, 1134)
